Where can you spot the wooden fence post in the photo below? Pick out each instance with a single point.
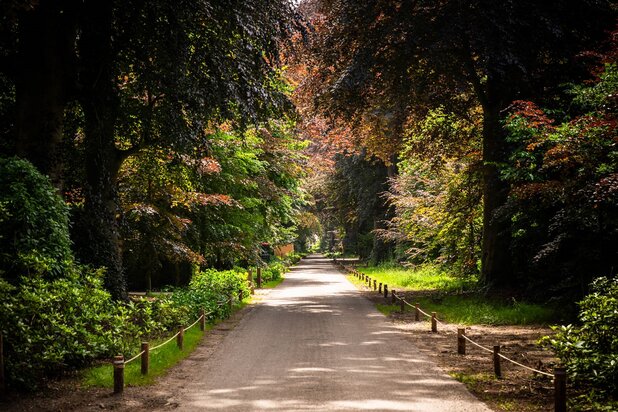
(202, 320)
(461, 341)
(259, 278)
(375, 285)
(180, 338)
(417, 312)
(434, 323)
(560, 389)
(380, 288)
(385, 292)
(497, 368)
(145, 358)
(2, 382)
(118, 374)
(393, 292)
(250, 279)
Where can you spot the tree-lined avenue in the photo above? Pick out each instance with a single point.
(314, 343)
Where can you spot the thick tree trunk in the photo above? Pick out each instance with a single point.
(496, 258)
(100, 104)
(44, 80)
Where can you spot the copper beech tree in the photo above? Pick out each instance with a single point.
(379, 65)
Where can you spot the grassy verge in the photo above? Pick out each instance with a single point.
(477, 310)
(452, 307)
(272, 283)
(427, 277)
(161, 360)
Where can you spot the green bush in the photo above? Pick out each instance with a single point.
(209, 289)
(34, 223)
(590, 351)
(51, 325)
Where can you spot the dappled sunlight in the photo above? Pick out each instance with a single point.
(320, 346)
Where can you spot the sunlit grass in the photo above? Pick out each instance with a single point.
(476, 310)
(160, 361)
(479, 310)
(453, 307)
(426, 277)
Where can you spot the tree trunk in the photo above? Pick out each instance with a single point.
(100, 104)
(44, 80)
(496, 259)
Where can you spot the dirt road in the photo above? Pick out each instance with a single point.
(314, 344)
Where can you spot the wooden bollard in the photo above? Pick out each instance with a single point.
(461, 341)
(417, 312)
(497, 368)
(380, 288)
(375, 285)
(259, 278)
(118, 374)
(202, 319)
(385, 292)
(145, 358)
(560, 389)
(250, 279)
(180, 339)
(2, 382)
(434, 322)
(393, 296)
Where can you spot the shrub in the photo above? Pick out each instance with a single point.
(51, 325)
(34, 221)
(208, 290)
(590, 351)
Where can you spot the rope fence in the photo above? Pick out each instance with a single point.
(559, 375)
(119, 362)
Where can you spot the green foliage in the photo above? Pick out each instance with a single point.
(160, 361)
(590, 351)
(33, 221)
(563, 205)
(209, 289)
(49, 325)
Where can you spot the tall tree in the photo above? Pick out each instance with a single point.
(147, 73)
(404, 57)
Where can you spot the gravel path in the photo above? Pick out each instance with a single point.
(315, 344)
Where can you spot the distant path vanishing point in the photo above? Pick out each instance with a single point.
(315, 344)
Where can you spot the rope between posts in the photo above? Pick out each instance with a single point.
(525, 367)
(134, 357)
(198, 319)
(477, 345)
(166, 342)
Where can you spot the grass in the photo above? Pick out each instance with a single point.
(452, 307)
(480, 310)
(477, 310)
(160, 361)
(472, 380)
(426, 277)
(272, 283)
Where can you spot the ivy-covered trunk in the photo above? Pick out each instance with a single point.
(100, 104)
(496, 258)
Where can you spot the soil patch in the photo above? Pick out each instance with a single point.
(517, 390)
